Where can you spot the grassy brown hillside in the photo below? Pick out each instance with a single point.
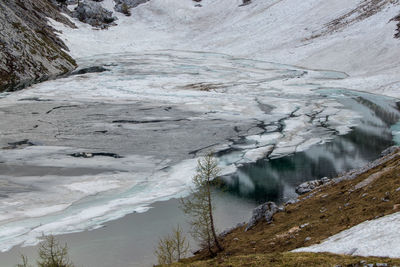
(292, 259)
(323, 212)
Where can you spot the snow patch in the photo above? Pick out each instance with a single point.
(377, 238)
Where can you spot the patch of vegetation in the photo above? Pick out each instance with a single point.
(51, 254)
(291, 260)
(319, 215)
(199, 207)
(172, 248)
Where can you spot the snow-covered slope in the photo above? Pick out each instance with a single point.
(353, 36)
(372, 238)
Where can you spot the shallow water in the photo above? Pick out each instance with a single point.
(272, 125)
(275, 179)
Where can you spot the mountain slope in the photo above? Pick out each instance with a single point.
(30, 50)
(342, 206)
(356, 37)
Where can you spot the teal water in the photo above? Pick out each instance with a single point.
(276, 179)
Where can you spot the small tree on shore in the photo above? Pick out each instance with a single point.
(199, 207)
(52, 254)
(24, 262)
(172, 248)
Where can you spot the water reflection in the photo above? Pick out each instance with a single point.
(275, 179)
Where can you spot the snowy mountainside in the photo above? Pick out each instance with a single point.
(355, 36)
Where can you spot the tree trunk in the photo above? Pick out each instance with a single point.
(217, 244)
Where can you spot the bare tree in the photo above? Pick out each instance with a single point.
(165, 251)
(199, 207)
(172, 248)
(24, 262)
(52, 254)
(180, 243)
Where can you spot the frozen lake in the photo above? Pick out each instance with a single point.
(84, 150)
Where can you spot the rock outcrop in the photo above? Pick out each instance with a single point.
(311, 185)
(264, 211)
(30, 51)
(389, 150)
(397, 19)
(123, 6)
(91, 12)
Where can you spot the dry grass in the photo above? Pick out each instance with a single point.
(330, 210)
(291, 259)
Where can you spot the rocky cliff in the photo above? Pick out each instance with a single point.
(30, 51)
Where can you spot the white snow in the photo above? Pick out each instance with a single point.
(270, 30)
(377, 237)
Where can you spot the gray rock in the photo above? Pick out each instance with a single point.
(325, 180)
(94, 14)
(95, 69)
(304, 225)
(311, 185)
(389, 150)
(124, 6)
(19, 144)
(245, 3)
(95, 154)
(291, 201)
(381, 265)
(265, 211)
(30, 51)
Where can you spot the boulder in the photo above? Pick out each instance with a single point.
(94, 14)
(311, 185)
(245, 3)
(94, 69)
(124, 6)
(265, 211)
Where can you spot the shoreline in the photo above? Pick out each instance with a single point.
(84, 245)
(355, 214)
(135, 235)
